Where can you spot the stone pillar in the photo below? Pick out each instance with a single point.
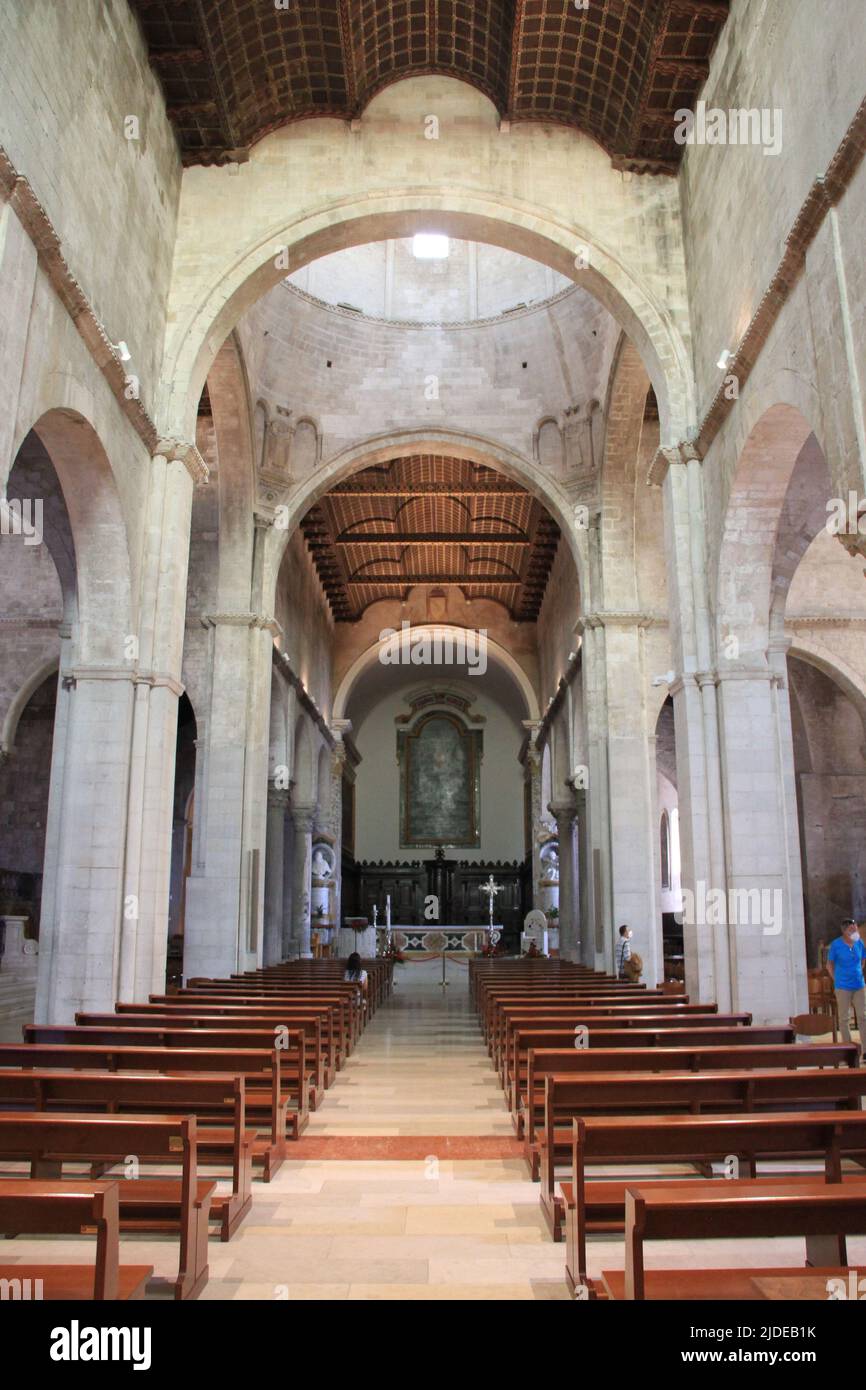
(303, 818)
(278, 803)
(764, 887)
(85, 844)
(742, 891)
(564, 813)
(147, 877)
(532, 773)
(708, 972)
(225, 891)
(104, 921)
(586, 944)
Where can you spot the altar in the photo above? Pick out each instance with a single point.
(439, 940)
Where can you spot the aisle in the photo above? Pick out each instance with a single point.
(422, 1225)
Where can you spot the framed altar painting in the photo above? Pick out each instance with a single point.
(440, 782)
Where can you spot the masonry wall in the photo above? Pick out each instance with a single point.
(303, 613)
(72, 73)
(738, 204)
(359, 378)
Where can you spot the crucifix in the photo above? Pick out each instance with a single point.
(490, 889)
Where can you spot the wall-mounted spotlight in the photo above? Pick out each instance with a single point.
(122, 351)
(726, 357)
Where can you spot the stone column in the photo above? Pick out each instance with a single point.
(147, 878)
(564, 813)
(764, 904)
(532, 771)
(225, 891)
(708, 967)
(586, 945)
(104, 920)
(742, 890)
(85, 845)
(278, 803)
(303, 818)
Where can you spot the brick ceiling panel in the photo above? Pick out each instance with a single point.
(232, 70)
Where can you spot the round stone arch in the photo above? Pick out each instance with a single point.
(473, 448)
(497, 653)
(103, 567)
(29, 686)
(249, 272)
(835, 668)
(756, 498)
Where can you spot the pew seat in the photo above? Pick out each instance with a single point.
(823, 1213)
(32, 1207)
(722, 1285)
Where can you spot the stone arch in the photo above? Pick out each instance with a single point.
(234, 430)
(102, 569)
(749, 547)
(31, 684)
(835, 667)
(624, 415)
(495, 653)
(474, 448)
(531, 231)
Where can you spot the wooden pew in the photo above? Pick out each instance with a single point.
(652, 1015)
(213, 1098)
(586, 999)
(695, 1092)
(229, 991)
(337, 1035)
(29, 1207)
(320, 1049)
(48, 1140)
(568, 1021)
(534, 1060)
(266, 1104)
(824, 1213)
(636, 1001)
(291, 1044)
(330, 971)
(827, 1136)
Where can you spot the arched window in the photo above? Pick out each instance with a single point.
(665, 841)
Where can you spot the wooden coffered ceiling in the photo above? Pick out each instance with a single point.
(232, 70)
(431, 520)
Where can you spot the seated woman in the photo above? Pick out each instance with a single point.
(355, 972)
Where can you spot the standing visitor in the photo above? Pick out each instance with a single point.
(845, 960)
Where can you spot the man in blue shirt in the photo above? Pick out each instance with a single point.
(845, 960)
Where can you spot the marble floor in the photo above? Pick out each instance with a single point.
(377, 1204)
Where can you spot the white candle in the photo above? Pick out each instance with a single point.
(388, 910)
